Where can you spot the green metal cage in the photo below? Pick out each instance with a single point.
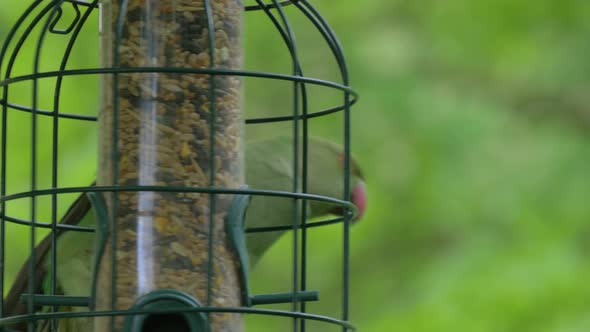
(44, 18)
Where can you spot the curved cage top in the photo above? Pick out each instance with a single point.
(49, 16)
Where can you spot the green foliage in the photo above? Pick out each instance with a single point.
(471, 130)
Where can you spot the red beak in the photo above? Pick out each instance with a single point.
(359, 198)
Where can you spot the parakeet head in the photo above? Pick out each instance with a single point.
(269, 166)
(326, 177)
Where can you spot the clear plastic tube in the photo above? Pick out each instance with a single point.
(156, 130)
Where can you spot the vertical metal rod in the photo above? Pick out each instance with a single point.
(346, 240)
(3, 178)
(33, 212)
(290, 40)
(304, 185)
(30, 286)
(304, 175)
(2, 194)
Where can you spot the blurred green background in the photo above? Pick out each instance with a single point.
(472, 131)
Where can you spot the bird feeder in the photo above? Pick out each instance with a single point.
(170, 124)
(170, 196)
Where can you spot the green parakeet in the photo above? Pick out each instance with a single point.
(268, 166)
